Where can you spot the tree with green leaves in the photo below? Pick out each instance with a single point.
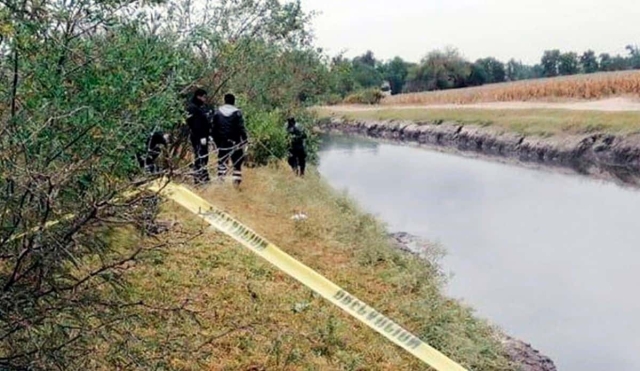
(342, 81)
(516, 70)
(605, 62)
(589, 62)
(634, 56)
(487, 71)
(448, 69)
(84, 83)
(615, 63)
(479, 74)
(439, 70)
(620, 63)
(396, 71)
(365, 71)
(551, 63)
(568, 64)
(367, 59)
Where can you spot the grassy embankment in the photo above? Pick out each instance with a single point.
(543, 122)
(253, 317)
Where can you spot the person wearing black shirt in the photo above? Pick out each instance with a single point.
(297, 150)
(154, 145)
(199, 121)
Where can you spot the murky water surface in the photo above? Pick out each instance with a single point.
(551, 258)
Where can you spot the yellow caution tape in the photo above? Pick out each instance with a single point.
(47, 225)
(52, 223)
(307, 276)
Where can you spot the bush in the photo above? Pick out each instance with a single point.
(267, 132)
(268, 136)
(332, 99)
(369, 96)
(81, 91)
(79, 110)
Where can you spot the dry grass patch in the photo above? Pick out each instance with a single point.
(591, 86)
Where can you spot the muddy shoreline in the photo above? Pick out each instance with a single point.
(598, 155)
(524, 355)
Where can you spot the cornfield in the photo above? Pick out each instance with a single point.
(593, 86)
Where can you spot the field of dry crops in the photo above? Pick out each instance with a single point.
(578, 87)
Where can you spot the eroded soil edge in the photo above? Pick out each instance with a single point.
(599, 155)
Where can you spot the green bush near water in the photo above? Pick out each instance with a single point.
(268, 135)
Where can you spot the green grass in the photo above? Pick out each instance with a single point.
(527, 121)
(250, 316)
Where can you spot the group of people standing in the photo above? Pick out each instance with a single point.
(225, 128)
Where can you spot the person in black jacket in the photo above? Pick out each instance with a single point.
(297, 150)
(199, 121)
(230, 136)
(153, 149)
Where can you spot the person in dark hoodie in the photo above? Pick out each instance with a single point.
(297, 150)
(199, 120)
(230, 136)
(155, 142)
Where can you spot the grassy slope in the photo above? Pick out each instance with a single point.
(253, 317)
(531, 122)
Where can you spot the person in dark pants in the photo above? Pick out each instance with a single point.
(297, 150)
(153, 149)
(199, 122)
(230, 136)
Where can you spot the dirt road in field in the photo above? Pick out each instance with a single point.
(610, 105)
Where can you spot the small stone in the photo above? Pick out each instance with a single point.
(300, 307)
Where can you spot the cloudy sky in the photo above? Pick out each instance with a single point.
(478, 28)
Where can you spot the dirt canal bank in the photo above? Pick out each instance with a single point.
(605, 156)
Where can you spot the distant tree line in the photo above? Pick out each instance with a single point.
(448, 69)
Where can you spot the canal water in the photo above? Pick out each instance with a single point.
(553, 259)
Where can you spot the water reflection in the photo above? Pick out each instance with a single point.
(549, 257)
(346, 145)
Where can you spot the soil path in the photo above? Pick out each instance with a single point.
(610, 105)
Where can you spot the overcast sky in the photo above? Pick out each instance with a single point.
(522, 29)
